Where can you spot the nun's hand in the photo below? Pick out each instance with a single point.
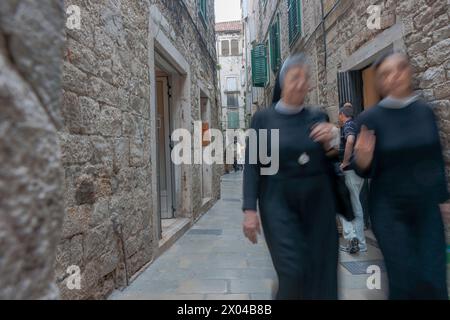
(323, 133)
(251, 226)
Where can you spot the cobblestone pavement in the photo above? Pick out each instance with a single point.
(214, 261)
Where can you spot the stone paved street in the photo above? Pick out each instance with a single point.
(214, 261)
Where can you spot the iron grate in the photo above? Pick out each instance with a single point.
(231, 199)
(212, 232)
(360, 267)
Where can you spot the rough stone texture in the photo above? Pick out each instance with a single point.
(31, 178)
(196, 41)
(105, 84)
(108, 136)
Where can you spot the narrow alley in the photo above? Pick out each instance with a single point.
(214, 261)
(126, 125)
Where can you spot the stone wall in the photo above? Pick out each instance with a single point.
(425, 38)
(420, 28)
(204, 27)
(106, 147)
(109, 135)
(266, 15)
(31, 178)
(425, 33)
(196, 41)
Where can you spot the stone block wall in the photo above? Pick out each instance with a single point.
(425, 39)
(31, 177)
(196, 40)
(108, 137)
(425, 28)
(105, 145)
(424, 34)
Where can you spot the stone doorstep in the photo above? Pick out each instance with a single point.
(172, 234)
(207, 204)
(175, 231)
(205, 201)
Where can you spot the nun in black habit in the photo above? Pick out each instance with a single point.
(296, 204)
(398, 147)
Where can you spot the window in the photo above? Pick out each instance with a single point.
(295, 21)
(232, 100)
(233, 119)
(232, 84)
(259, 65)
(202, 9)
(275, 50)
(234, 47)
(225, 47)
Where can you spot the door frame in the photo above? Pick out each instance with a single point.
(165, 80)
(160, 46)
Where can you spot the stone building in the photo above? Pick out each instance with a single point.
(250, 24)
(232, 77)
(91, 178)
(134, 72)
(342, 38)
(31, 175)
(232, 82)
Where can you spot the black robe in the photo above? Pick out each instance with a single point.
(407, 185)
(296, 207)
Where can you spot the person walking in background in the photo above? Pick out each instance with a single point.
(237, 160)
(399, 148)
(296, 204)
(353, 231)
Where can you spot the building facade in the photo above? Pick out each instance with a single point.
(250, 24)
(232, 83)
(342, 38)
(232, 78)
(31, 174)
(93, 194)
(133, 73)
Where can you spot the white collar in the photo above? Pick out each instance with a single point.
(396, 103)
(283, 108)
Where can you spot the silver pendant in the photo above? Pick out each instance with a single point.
(303, 159)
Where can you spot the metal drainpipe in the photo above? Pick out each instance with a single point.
(244, 62)
(118, 230)
(324, 32)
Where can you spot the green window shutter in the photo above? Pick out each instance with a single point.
(202, 9)
(259, 65)
(275, 50)
(267, 62)
(233, 120)
(295, 22)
